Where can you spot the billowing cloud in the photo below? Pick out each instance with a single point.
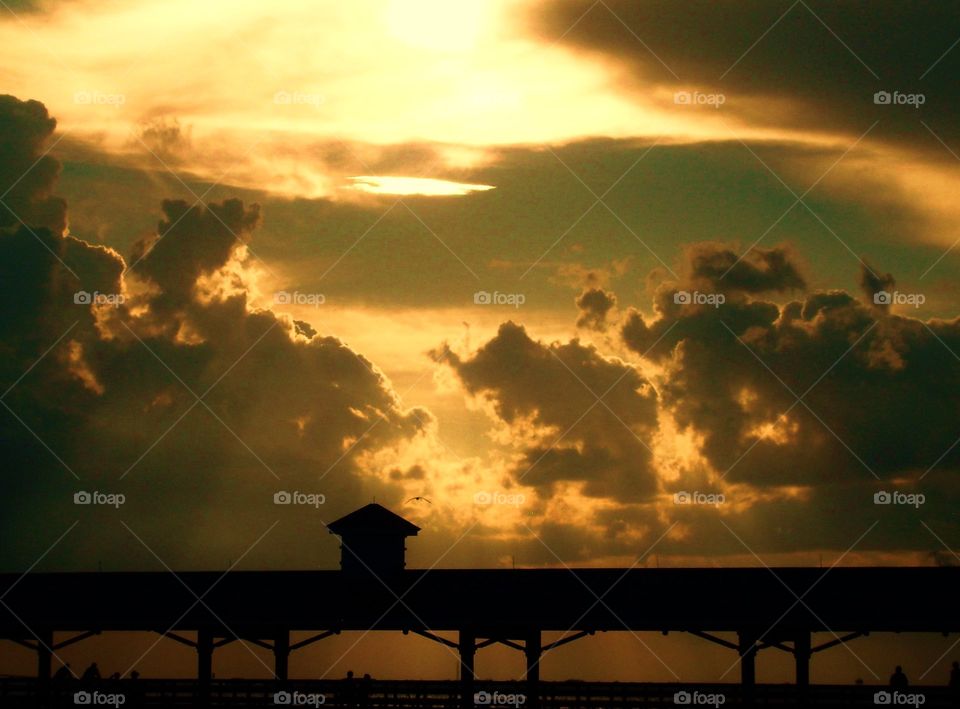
(759, 270)
(176, 395)
(575, 414)
(27, 173)
(809, 67)
(737, 368)
(191, 241)
(595, 305)
(595, 440)
(820, 74)
(872, 284)
(165, 138)
(269, 122)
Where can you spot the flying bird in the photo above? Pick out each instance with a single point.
(419, 498)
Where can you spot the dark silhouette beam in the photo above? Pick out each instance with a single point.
(281, 655)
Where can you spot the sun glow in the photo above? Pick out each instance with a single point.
(439, 25)
(396, 185)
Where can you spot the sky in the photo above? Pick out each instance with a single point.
(614, 283)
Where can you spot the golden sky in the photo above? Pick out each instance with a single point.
(580, 257)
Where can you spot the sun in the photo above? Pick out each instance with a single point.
(439, 25)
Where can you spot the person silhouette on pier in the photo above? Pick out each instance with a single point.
(135, 691)
(91, 674)
(349, 692)
(898, 680)
(365, 691)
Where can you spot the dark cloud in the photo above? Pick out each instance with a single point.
(872, 283)
(808, 65)
(41, 269)
(759, 270)
(499, 233)
(304, 328)
(877, 386)
(191, 241)
(163, 137)
(595, 305)
(555, 386)
(23, 6)
(107, 391)
(285, 398)
(27, 174)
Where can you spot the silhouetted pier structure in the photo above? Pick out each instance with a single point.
(766, 608)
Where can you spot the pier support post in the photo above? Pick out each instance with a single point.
(44, 655)
(801, 653)
(467, 647)
(281, 655)
(204, 664)
(747, 647)
(533, 649)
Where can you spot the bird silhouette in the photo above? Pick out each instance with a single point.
(419, 498)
